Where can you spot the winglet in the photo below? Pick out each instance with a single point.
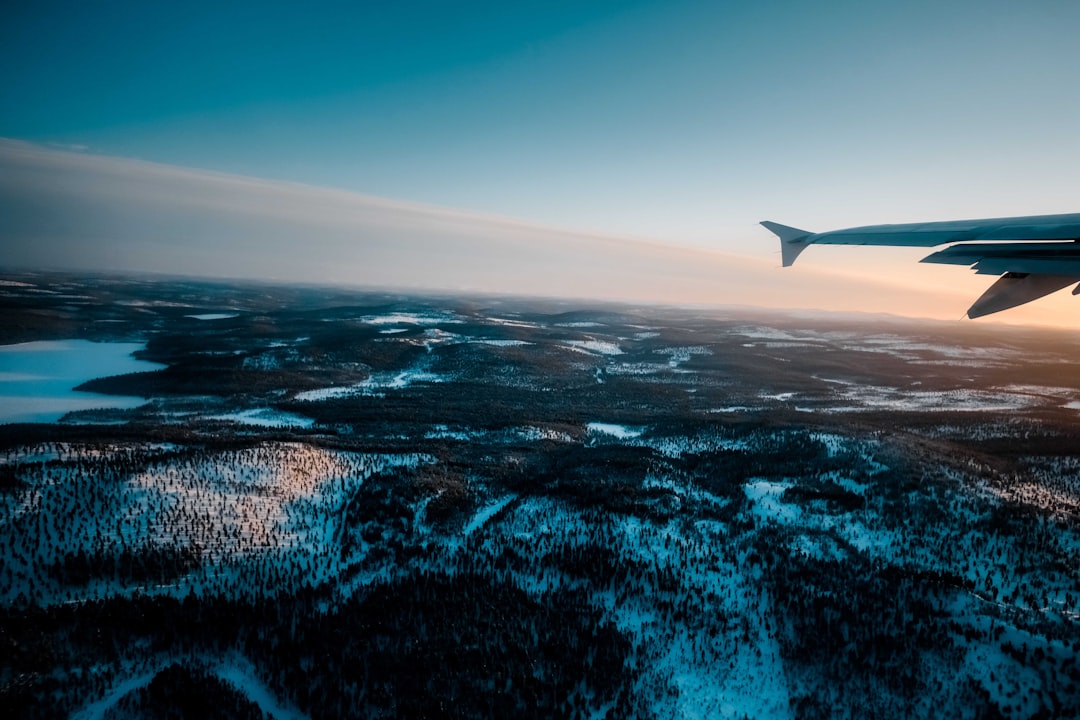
(792, 240)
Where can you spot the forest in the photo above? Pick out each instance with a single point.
(341, 504)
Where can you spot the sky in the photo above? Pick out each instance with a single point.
(576, 145)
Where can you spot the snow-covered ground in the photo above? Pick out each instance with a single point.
(373, 385)
(671, 515)
(276, 501)
(236, 670)
(598, 347)
(265, 417)
(680, 355)
(688, 589)
(213, 316)
(622, 432)
(405, 318)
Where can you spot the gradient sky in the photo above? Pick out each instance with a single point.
(678, 123)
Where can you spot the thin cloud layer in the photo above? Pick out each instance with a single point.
(70, 210)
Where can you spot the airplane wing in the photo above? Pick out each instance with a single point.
(1034, 255)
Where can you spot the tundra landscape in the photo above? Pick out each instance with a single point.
(264, 500)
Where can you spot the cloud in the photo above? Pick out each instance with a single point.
(76, 210)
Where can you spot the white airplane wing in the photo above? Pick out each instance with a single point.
(1034, 255)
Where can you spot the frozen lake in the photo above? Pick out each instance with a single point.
(37, 379)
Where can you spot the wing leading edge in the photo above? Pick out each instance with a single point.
(1034, 255)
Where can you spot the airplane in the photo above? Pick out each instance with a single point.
(1035, 255)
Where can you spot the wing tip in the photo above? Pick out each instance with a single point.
(792, 240)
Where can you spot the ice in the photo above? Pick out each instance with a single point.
(37, 379)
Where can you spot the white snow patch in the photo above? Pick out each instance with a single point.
(411, 318)
(535, 434)
(679, 445)
(679, 355)
(213, 316)
(265, 417)
(485, 514)
(781, 397)
(512, 323)
(443, 432)
(873, 397)
(372, 385)
(239, 672)
(601, 347)
(623, 432)
(765, 494)
(235, 670)
(500, 343)
(327, 393)
(765, 333)
(634, 368)
(96, 710)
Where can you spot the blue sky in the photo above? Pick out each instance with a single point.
(678, 122)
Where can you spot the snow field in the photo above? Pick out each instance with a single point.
(261, 509)
(680, 593)
(691, 592)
